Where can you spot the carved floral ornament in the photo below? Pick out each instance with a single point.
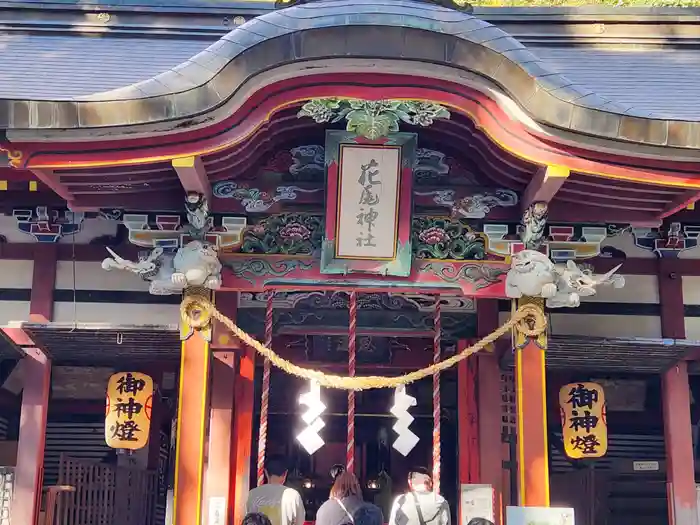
(373, 119)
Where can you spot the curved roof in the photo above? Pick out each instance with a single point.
(408, 31)
(63, 66)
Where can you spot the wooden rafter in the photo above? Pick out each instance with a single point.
(193, 175)
(545, 184)
(53, 181)
(683, 201)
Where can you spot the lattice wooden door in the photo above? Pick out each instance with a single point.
(105, 495)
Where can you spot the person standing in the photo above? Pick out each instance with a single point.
(345, 502)
(420, 505)
(282, 505)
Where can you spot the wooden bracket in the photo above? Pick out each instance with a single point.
(193, 175)
(545, 184)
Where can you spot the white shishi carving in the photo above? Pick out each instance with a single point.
(533, 274)
(195, 264)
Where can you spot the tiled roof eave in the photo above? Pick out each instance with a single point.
(395, 30)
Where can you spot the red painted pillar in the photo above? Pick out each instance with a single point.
(489, 408)
(36, 370)
(29, 471)
(679, 446)
(157, 413)
(490, 448)
(192, 419)
(468, 427)
(219, 468)
(678, 434)
(242, 433)
(531, 401)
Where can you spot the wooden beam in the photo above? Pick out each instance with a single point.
(306, 274)
(134, 202)
(418, 356)
(684, 201)
(43, 282)
(193, 175)
(564, 211)
(77, 207)
(545, 184)
(52, 180)
(15, 333)
(670, 284)
(24, 251)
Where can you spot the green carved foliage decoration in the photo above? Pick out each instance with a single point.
(373, 119)
(444, 238)
(302, 234)
(287, 233)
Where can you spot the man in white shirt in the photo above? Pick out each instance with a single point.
(420, 505)
(282, 505)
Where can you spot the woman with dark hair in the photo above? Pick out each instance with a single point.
(256, 518)
(345, 500)
(480, 521)
(336, 470)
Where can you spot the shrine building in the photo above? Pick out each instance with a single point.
(378, 234)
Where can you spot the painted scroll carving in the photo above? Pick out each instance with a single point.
(476, 205)
(254, 200)
(479, 205)
(533, 274)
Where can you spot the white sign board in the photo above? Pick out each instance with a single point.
(645, 466)
(539, 516)
(217, 510)
(476, 502)
(368, 202)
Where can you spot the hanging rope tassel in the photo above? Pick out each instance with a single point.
(265, 401)
(352, 336)
(437, 326)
